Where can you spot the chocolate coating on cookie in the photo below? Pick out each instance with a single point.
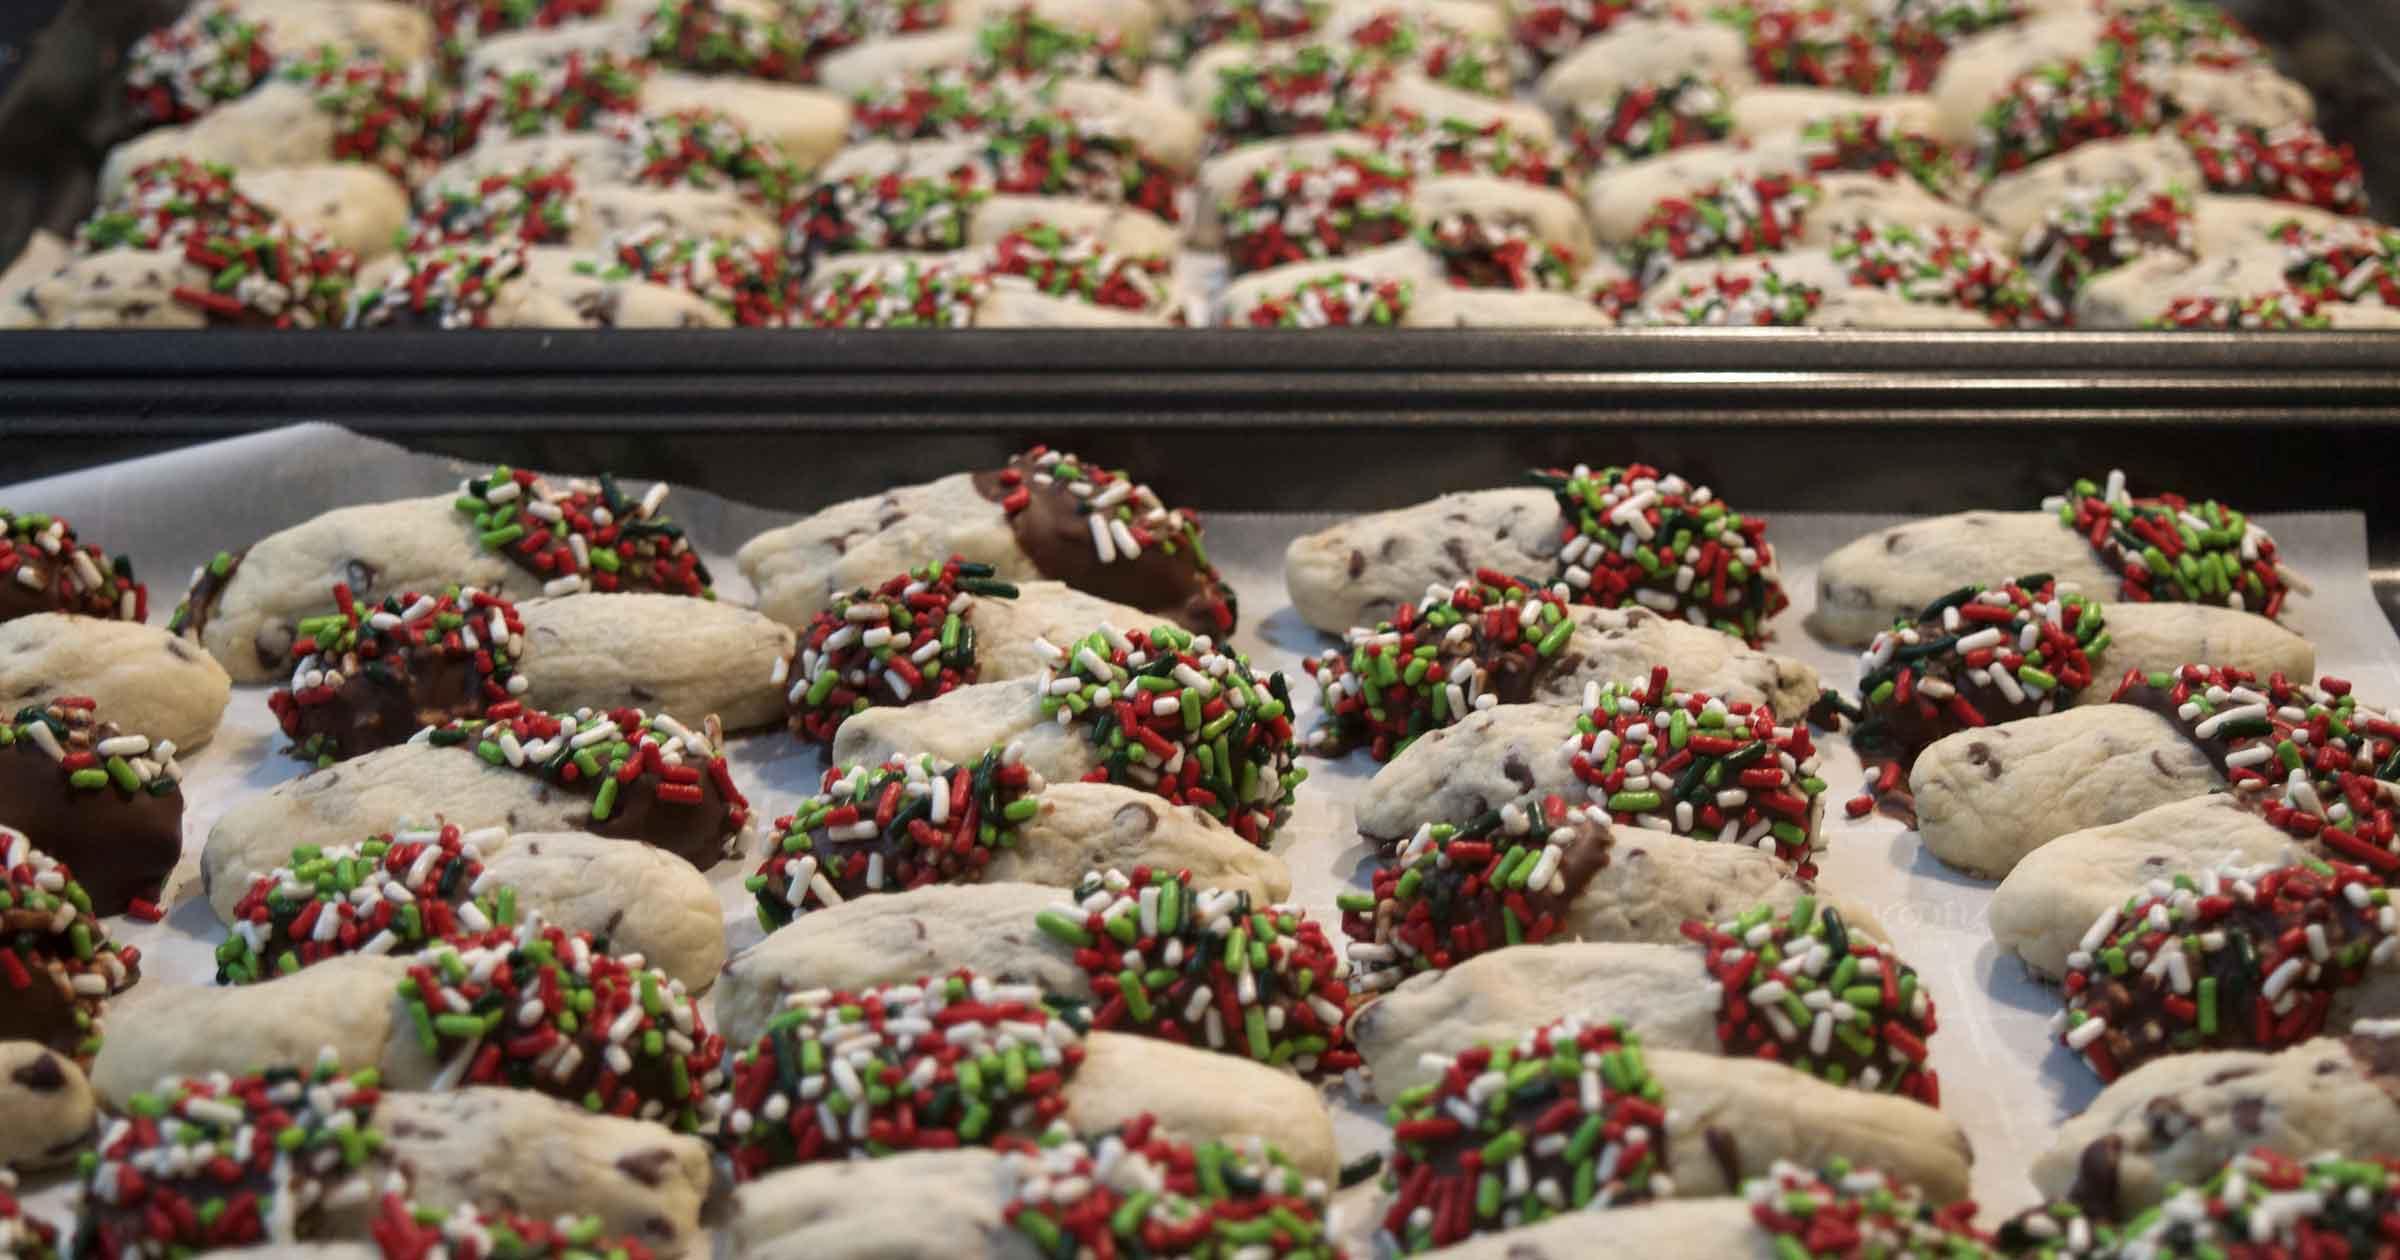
(116, 819)
(57, 965)
(371, 676)
(1052, 501)
(45, 568)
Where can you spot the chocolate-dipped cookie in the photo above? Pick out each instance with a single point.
(107, 803)
(371, 675)
(57, 966)
(1043, 514)
(44, 567)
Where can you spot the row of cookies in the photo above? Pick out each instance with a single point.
(836, 164)
(1047, 476)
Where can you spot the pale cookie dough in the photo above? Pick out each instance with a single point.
(2238, 96)
(1414, 94)
(1768, 109)
(145, 680)
(280, 124)
(645, 900)
(2162, 636)
(46, 1107)
(356, 206)
(960, 726)
(1199, 1096)
(1876, 308)
(348, 1004)
(524, 1152)
(2041, 912)
(1719, 1228)
(2224, 224)
(1005, 629)
(801, 567)
(2178, 1119)
(2020, 200)
(1989, 796)
(1621, 198)
(1357, 572)
(1502, 308)
(300, 28)
(896, 938)
(807, 123)
(122, 288)
(663, 653)
(900, 1207)
(408, 785)
(1637, 50)
(1847, 202)
(2139, 292)
(1980, 68)
(557, 277)
(1892, 574)
(299, 1251)
(1223, 175)
(590, 155)
(378, 549)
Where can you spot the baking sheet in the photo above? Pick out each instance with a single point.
(2002, 1078)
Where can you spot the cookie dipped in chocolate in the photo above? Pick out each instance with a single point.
(1510, 877)
(200, 598)
(1804, 990)
(1105, 534)
(57, 965)
(45, 568)
(107, 803)
(1978, 656)
(1491, 639)
(2235, 959)
(371, 676)
(647, 777)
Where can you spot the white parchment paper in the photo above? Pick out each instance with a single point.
(2001, 1077)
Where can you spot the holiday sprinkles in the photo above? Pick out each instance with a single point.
(1635, 535)
(1169, 713)
(648, 776)
(2228, 958)
(1451, 892)
(2170, 549)
(580, 535)
(1844, 1212)
(405, 1231)
(58, 966)
(45, 567)
(959, 1060)
(1802, 988)
(890, 828)
(1761, 214)
(906, 641)
(1694, 765)
(390, 894)
(1978, 656)
(1136, 1192)
(1483, 642)
(210, 1162)
(371, 675)
(1205, 967)
(538, 1007)
(1566, 1119)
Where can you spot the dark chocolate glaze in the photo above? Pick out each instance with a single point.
(425, 688)
(1052, 532)
(121, 845)
(45, 1009)
(2096, 1180)
(2379, 1059)
(200, 602)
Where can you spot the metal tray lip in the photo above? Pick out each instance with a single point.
(134, 355)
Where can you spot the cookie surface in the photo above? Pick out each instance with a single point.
(145, 679)
(1354, 573)
(2055, 894)
(1889, 575)
(663, 653)
(903, 1206)
(46, 1107)
(2176, 1120)
(1987, 797)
